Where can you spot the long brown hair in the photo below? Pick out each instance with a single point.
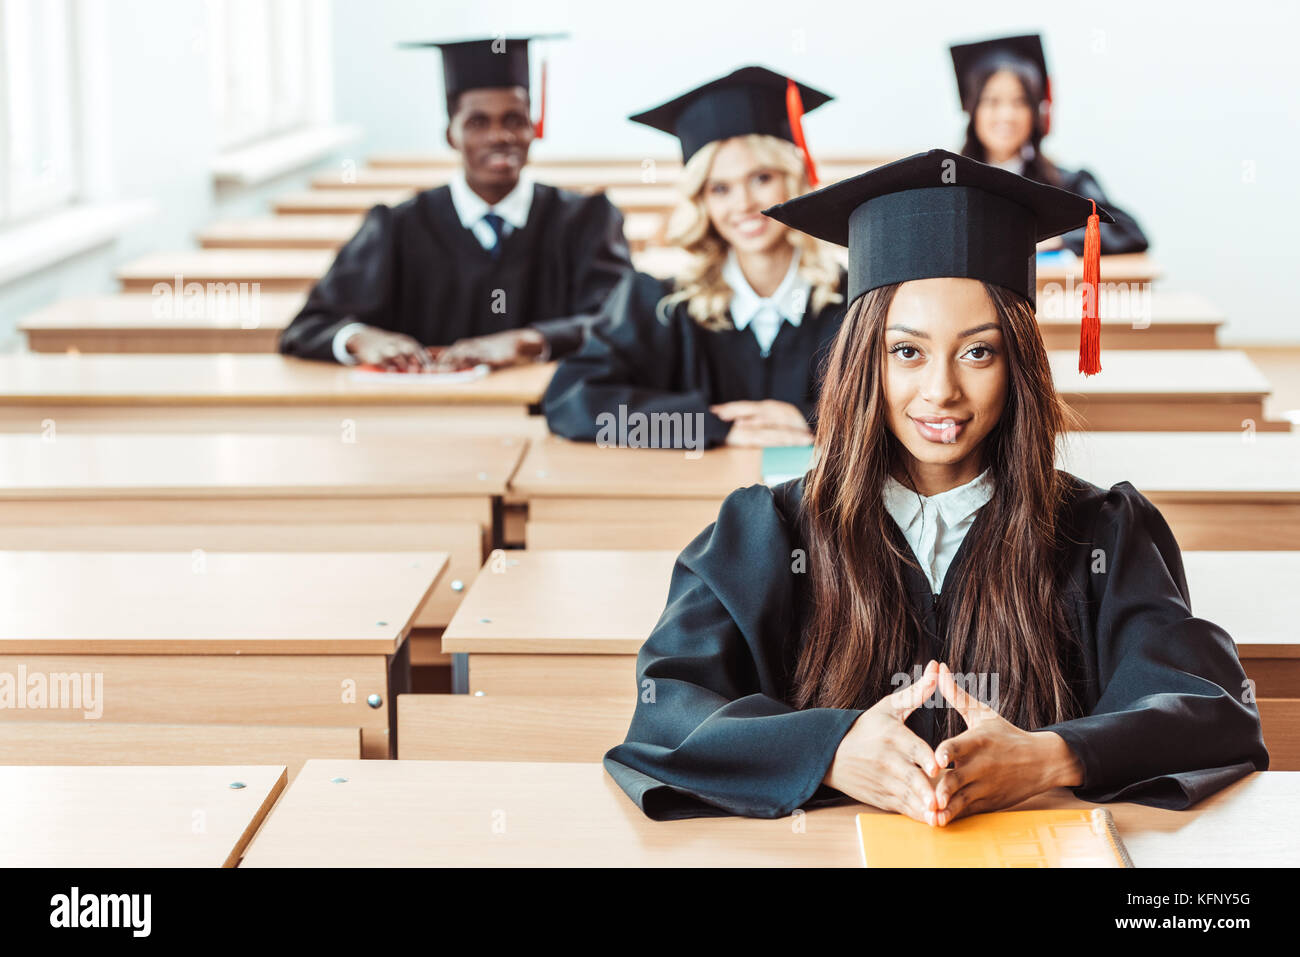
(1006, 620)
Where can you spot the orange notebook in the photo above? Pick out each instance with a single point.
(1074, 838)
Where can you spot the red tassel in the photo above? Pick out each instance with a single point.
(1090, 331)
(1047, 106)
(794, 108)
(540, 126)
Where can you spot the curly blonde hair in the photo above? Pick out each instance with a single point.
(700, 284)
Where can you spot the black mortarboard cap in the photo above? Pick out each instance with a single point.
(940, 214)
(968, 59)
(477, 64)
(753, 99)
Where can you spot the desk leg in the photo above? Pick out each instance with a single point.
(460, 673)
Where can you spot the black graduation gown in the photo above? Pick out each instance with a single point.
(413, 268)
(1164, 724)
(1122, 236)
(634, 359)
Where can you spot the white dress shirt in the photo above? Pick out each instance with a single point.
(935, 525)
(470, 208)
(764, 315)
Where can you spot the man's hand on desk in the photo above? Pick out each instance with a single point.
(497, 350)
(389, 350)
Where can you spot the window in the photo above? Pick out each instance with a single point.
(38, 169)
(268, 62)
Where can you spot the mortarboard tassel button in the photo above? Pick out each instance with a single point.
(1090, 329)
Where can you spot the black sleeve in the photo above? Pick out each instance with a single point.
(1173, 723)
(600, 259)
(711, 734)
(359, 287)
(630, 358)
(1122, 236)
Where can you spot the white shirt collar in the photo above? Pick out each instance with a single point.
(471, 207)
(955, 505)
(789, 301)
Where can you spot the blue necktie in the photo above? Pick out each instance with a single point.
(497, 225)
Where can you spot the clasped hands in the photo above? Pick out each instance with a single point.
(991, 765)
(397, 352)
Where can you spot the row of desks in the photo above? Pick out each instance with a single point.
(1156, 390)
(340, 813)
(1218, 490)
(145, 322)
(297, 269)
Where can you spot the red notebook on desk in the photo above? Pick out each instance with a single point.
(1073, 838)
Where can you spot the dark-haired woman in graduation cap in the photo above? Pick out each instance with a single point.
(733, 342)
(935, 620)
(1006, 92)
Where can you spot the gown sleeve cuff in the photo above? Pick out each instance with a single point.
(345, 332)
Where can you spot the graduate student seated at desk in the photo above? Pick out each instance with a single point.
(1005, 90)
(493, 267)
(735, 340)
(795, 661)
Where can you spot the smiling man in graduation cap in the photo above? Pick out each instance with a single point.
(820, 638)
(491, 268)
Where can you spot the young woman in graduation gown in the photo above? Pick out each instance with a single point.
(736, 338)
(808, 647)
(1005, 91)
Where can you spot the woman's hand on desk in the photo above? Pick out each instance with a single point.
(997, 765)
(882, 763)
(767, 412)
(763, 423)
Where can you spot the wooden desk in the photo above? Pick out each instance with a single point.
(138, 322)
(292, 270)
(271, 484)
(582, 496)
(337, 202)
(426, 813)
(263, 393)
(134, 816)
(272, 270)
(1154, 319)
(1189, 390)
(1217, 490)
(220, 638)
(560, 622)
(113, 743)
(280, 232)
(1120, 268)
(540, 159)
(579, 175)
(570, 623)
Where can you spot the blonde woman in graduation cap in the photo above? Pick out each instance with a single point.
(734, 341)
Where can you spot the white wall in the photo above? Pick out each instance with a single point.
(154, 139)
(1165, 103)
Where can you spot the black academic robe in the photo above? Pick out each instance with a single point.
(637, 358)
(1163, 724)
(413, 268)
(1122, 236)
